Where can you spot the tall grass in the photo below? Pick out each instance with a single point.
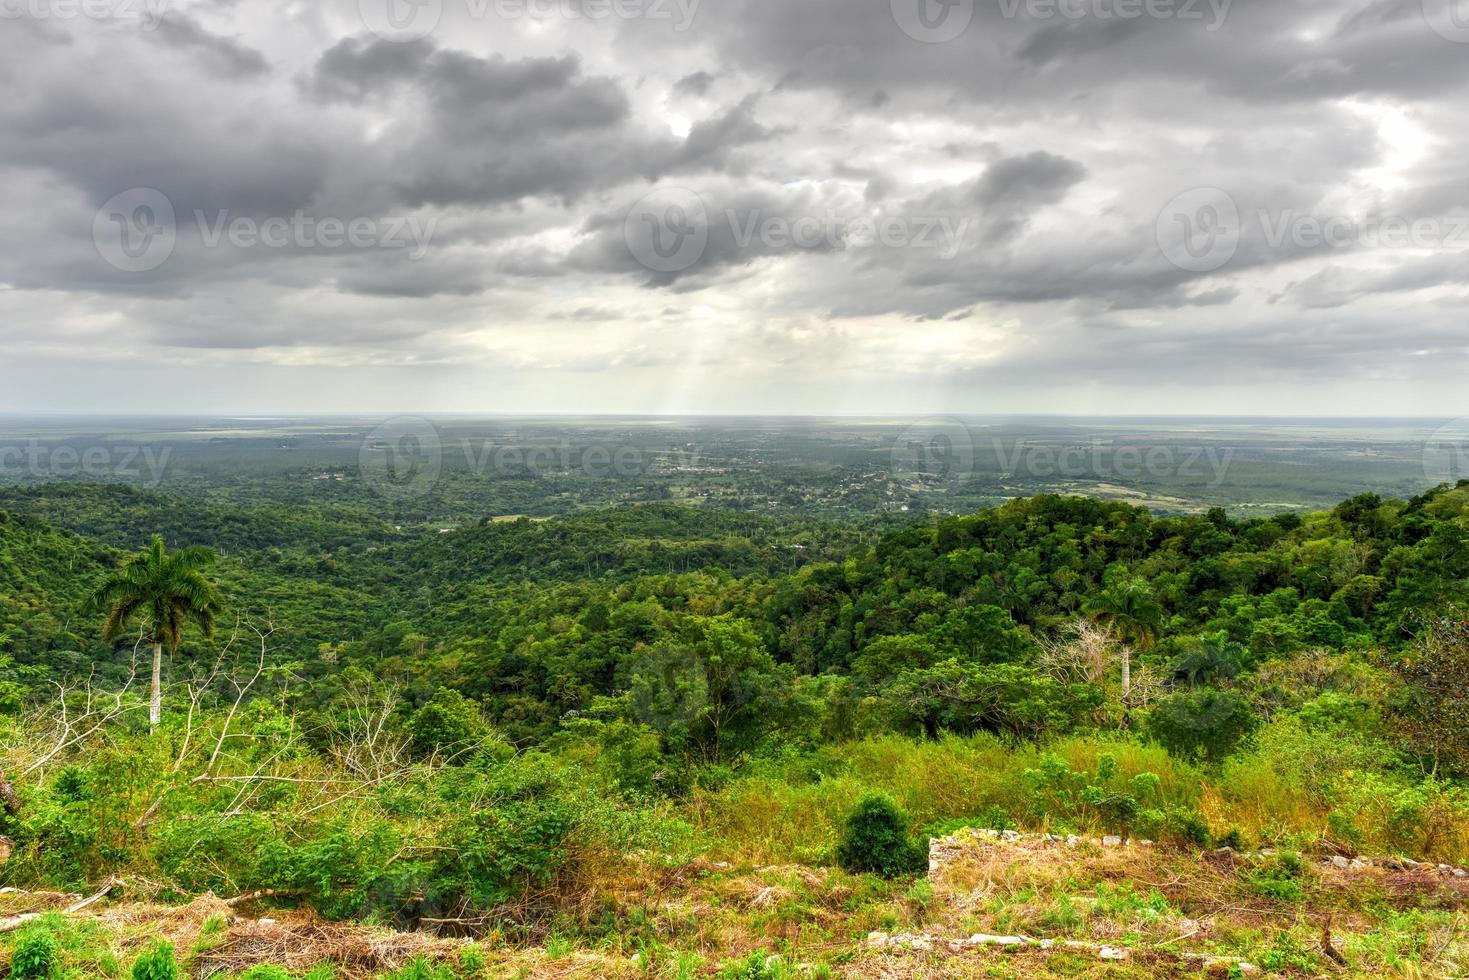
(1285, 788)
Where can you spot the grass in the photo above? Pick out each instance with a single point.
(741, 880)
(791, 920)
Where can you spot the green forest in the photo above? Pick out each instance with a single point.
(526, 734)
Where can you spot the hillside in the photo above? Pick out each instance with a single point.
(645, 740)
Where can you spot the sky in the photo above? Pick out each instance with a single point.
(826, 207)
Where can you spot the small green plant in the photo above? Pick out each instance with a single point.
(37, 955)
(422, 968)
(1282, 879)
(1232, 838)
(1288, 953)
(1343, 829)
(472, 960)
(211, 934)
(876, 840)
(157, 963)
(757, 966)
(1176, 825)
(920, 893)
(266, 971)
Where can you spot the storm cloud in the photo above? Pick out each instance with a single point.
(1163, 206)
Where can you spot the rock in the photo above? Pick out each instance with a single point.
(877, 940)
(1340, 862)
(1111, 841)
(1145, 843)
(1358, 864)
(1112, 953)
(1072, 840)
(980, 939)
(1460, 873)
(1224, 851)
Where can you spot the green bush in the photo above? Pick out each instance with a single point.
(876, 840)
(1080, 799)
(157, 963)
(37, 955)
(449, 723)
(1283, 879)
(1205, 723)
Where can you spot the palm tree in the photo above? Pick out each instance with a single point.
(165, 592)
(1130, 610)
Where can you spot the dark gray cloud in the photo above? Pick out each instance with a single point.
(221, 54)
(885, 214)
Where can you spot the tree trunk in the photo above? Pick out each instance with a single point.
(1126, 676)
(155, 703)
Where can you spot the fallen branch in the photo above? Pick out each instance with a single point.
(258, 894)
(14, 922)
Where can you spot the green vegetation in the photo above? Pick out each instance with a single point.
(876, 840)
(540, 733)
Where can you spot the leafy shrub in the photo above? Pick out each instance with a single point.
(157, 963)
(1205, 723)
(1233, 838)
(472, 960)
(495, 854)
(449, 722)
(341, 872)
(1007, 699)
(876, 840)
(1102, 797)
(37, 955)
(1282, 879)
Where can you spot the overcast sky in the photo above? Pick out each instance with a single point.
(727, 206)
